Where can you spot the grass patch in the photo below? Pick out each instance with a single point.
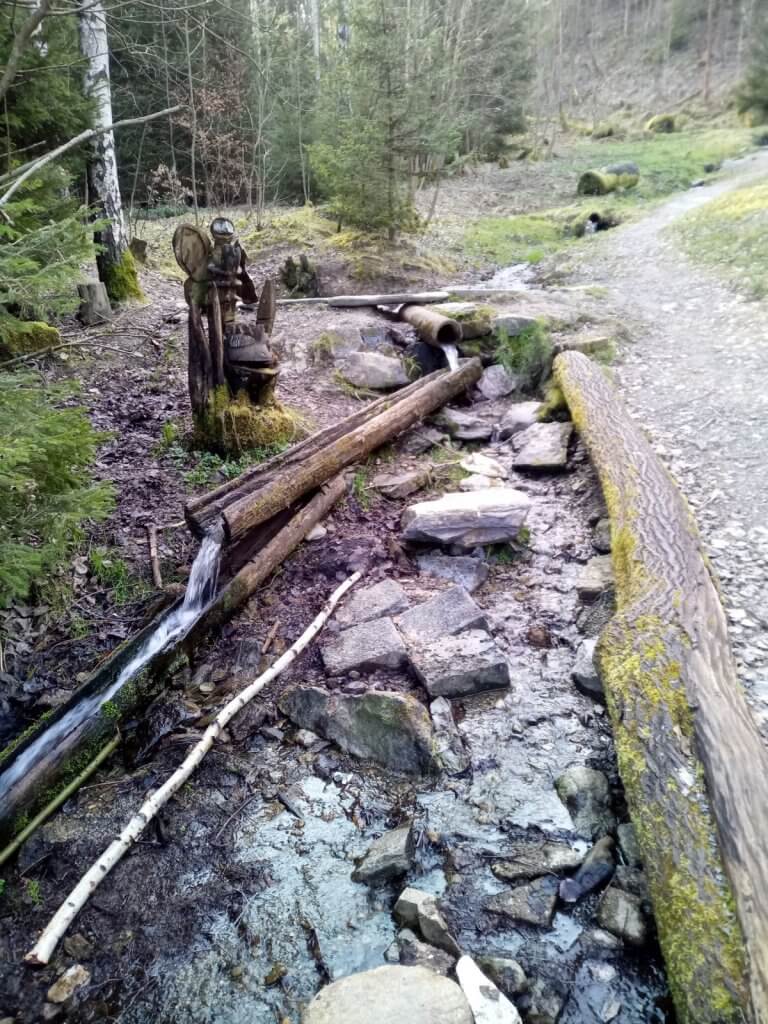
(527, 354)
(201, 468)
(113, 574)
(731, 234)
(526, 238)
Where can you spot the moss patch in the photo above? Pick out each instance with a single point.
(234, 425)
(25, 337)
(121, 279)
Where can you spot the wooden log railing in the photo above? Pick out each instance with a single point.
(692, 762)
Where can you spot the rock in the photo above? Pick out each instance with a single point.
(406, 909)
(510, 325)
(484, 465)
(447, 613)
(488, 1005)
(597, 868)
(477, 482)
(595, 579)
(601, 538)
(585, 674)
(530, 859)
(387, 994)
(469, 573)
(457, 666)
(318, 532)
(421, 438)
(598, 941)
(374, 602)
(418, 909)
(631, 880)
(496, 382)
(628, 845)
(449, 748)
(468, 520)
(533, 903)
(415, 953)
(374, 370)
(67, 983)
(504, 972)
(392, 729)
(388, 856)
(51, 1011)
(466, 426)
(545, 1004)
(306, 738)
(375, 644)
(544, 447)
(78, 947)
(586, 794)
(519, 417)
(400, 485)
(621, 913)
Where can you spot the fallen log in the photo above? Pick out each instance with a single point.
(432, 327)
(608, 179)
(258, 506)
(352, 301)
(694, 768)
(46, 944)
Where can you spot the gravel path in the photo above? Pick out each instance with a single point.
(695, 376)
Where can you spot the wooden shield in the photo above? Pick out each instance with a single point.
(192, 249)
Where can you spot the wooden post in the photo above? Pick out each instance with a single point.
(691, 759)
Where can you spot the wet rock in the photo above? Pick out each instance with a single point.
(447, 613)
(628, 845)
(631, 880)
(585, 674)
(468, 520)
(519, 417)
(505, 973)
(415, 953)
(510, 325)
(373, 370)
(418, 909)
(488, 1005)
(466, 426)
(601, 538)
(67, 983)
(468, 572)
(544, 447)
(597, 868)
(597, 941)
(484, 465)
(621, 913)
(374, 602)
(533, 903)
(456, 666)
(450, 751)
(528, 860)
(389, 856)
(420, 439)
(544, 1003)
(390, 728)
(595, 579)
(477, 482)
(400, 485)
(586, 794)
(406, 909)
(387, 994)
(374, 644)
(496, 382)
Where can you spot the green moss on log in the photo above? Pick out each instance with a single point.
(121, 279)
(234, 425)
(661, 124)
(608, 179)
(25, 337)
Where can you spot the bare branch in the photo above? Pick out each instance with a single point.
(20, 41)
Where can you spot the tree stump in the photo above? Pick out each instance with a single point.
(95, 307)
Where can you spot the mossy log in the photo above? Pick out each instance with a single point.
(691, 759)
(661, 124)
(279, 481)
(608, 179)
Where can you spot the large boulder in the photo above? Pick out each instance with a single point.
(447, 613)
(467, 520)
(392, 729)
(374, 370)
(387, 994)
(458, 666)
(374, 644)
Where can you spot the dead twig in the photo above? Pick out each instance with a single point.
(270, 636)
(154, 560)
(31, 356)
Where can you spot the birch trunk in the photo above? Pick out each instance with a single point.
(114, 262)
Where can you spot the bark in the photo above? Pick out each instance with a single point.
(691, 759)
(94, 304)
(45, 946)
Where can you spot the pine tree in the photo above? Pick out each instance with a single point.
(753, 95)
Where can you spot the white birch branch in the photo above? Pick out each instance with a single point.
(46, 944)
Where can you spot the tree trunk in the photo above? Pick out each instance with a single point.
(115, 263)
(691, 759)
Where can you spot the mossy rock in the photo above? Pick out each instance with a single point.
(234, 425)
(121, 279)
(661, 124)
(25, 337)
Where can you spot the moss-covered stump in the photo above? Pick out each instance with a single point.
(608, 179)
(693, 765)
(232, 426)
(661, 124)
(121, 277)
(25, 337)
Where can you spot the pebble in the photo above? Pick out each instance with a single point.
(67, 983)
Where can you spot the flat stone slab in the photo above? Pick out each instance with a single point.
(390, 728)
(487, 1003)
(492, 516)
(529, 860)
(533, 903)
(457, 666)
(519, 417)
(374, 602)
(496, 382)
(400, 485)
(468, 572)
(388, 994)
(373, 370)
(447, 613)
(389, 856)
(374, 644)
(595, 579)
(544, 447)
(586, 794)
(466, 426)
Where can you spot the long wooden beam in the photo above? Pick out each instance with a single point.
(694, 767)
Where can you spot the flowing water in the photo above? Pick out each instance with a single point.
(452, 355)
(200, 590)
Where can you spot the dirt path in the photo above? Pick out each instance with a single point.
(695, 378)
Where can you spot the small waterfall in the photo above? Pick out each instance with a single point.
(201, 588)
(452, 355)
